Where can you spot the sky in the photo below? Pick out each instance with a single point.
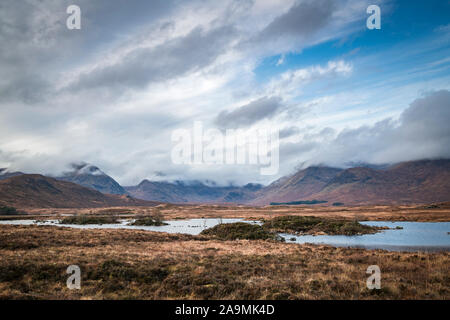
(113, 92)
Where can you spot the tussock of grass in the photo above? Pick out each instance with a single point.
(314, 225)
(239, 230)
(85, 219)
(123, 271)
(8, 211)
(148, 221)
(337, 204)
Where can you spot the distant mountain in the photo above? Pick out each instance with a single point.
(5, 174)
(299, 186)
(90, 176)
(192, 192)
(424, 181)
(414, 182)
(33, 190)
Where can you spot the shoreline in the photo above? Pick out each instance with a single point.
(417, 213)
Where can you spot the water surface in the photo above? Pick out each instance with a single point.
(189, 226)
(415, 236)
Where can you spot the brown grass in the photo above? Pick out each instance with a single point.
(170, 211)
(123, 264)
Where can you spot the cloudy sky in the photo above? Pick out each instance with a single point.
(113, 92)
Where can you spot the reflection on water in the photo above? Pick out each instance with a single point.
(190, 226)
(415, 236)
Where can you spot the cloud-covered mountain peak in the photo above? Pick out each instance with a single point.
(85, 169)
(91, 176)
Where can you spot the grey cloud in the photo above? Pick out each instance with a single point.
(109, 18)
(171, 59)
(422, 131)
(29, 36)
(249, 113)
(296, 150)
(288, 132)
(428, 118)
(302, 20)
(36, 44)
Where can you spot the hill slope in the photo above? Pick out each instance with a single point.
(299, 186)
(5, 174)
(33, 190)
(424, 181)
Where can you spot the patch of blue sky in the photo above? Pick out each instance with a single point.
(407, 27)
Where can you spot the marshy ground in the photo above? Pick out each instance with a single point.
(301, 225)
(134, 264)
(435, 213)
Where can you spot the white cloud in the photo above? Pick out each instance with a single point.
(290, 82)
(281, 60)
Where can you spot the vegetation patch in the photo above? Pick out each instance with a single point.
(298, 202)
(8, 211)
(239, 230)
(148, 221)
(337, 204)
(122, 271)
(85, 219)
(315, 225)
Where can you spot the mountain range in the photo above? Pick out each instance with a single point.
(192, 192)
(423, 181)
(34, 190)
